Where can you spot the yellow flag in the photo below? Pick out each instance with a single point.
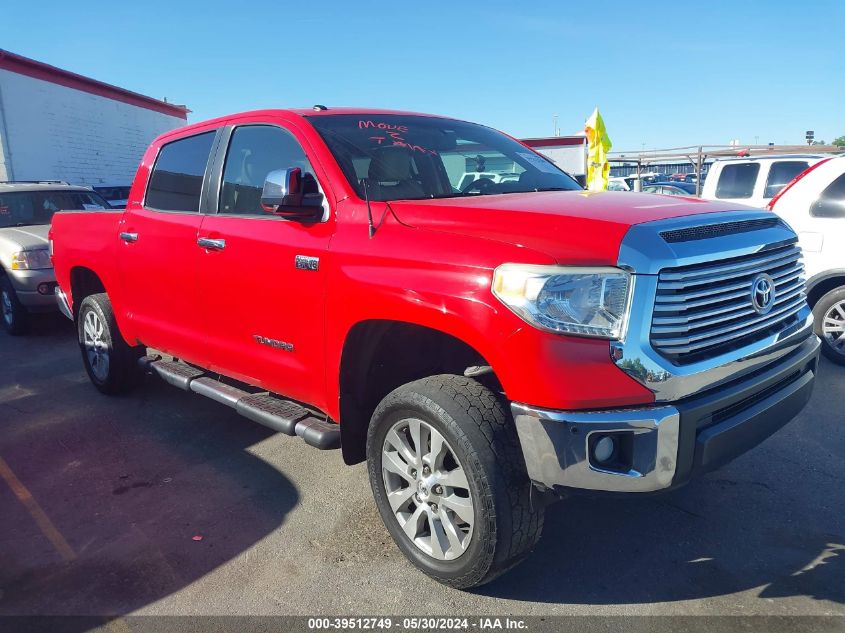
(598, 145)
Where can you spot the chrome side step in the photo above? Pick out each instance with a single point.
(284, 416)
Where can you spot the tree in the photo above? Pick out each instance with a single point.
(840, 142)
(819, 143)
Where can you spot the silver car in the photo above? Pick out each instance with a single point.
(27, 282)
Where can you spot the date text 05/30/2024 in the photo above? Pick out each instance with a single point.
(417, 623)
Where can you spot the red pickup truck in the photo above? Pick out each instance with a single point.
(484, 343)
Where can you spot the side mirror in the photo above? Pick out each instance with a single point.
(287, 193)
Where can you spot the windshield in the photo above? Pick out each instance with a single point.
(399, 157)
(26, 208)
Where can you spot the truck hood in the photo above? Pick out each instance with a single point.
(25, 238)
(572, 227)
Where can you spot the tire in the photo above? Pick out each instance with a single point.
(829, 317)
(111, 364)
(15, 316)
(480, 439)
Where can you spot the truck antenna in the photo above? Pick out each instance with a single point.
(370, 225)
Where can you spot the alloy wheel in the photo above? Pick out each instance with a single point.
(95, 345)
(427, 489)
(833, 327)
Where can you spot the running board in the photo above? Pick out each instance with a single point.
(284, 416)
(177, 374)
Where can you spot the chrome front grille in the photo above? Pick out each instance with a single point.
(704, 310)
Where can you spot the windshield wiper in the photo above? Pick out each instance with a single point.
(457, 194)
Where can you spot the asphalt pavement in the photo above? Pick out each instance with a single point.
(163, 502)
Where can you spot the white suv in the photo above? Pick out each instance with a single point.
(814, 205)
(27, 281)
(754, 180)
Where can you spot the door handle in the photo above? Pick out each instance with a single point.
(213, 245)
(129, 237)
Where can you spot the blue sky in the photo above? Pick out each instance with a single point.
(663, 73)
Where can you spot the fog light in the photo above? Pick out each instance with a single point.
(604, 449)
(45, 289)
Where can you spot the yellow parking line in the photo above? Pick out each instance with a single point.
(38, 515)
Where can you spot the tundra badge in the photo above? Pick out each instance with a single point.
(271, 342)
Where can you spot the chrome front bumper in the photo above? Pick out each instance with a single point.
(555, 446)
(666, 445)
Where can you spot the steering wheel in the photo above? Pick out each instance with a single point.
(482, 185)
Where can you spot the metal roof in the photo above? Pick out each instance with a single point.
(708, 152)
(39, 70)
(774, 157)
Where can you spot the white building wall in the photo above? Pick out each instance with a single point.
(570, 158)
(50, 132)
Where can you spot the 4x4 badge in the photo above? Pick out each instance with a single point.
(305, 262)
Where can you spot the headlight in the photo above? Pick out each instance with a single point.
(31, 260)
(567, 300)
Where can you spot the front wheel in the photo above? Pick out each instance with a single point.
(829, 316)
(449, 480)
(111, 364)
(15, 315)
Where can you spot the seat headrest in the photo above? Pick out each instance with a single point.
(390, 164)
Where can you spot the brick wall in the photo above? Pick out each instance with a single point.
(58, 133)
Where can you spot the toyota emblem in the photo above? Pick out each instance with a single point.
(763, 293)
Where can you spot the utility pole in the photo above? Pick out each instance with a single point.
(554, 125)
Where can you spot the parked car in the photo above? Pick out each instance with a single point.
(754, 180)
(671, 188)
(26, 274)
(617, 184)
(635, 182)
(814, 205)
(320, 272)
(116, 196)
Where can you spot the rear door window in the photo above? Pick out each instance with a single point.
(831, 203)
(781, 174)
(176, 179)
(737, 181)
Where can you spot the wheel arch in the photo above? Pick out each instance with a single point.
(83, 283)
(380, 355)
(819, 285)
